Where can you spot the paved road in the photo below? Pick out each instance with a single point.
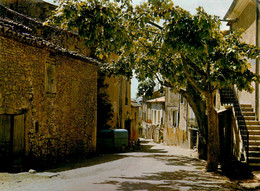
(153, 167)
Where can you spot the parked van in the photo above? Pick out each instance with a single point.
(112, 140)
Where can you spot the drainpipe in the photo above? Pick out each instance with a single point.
(257, 60)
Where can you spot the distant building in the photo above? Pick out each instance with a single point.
(168, 119)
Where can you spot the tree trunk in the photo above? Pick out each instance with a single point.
(198, 106)
(213, 134)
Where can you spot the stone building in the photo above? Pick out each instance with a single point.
(245, 14)
(48, 94)
(168, 118)
(47, 99)
(119, 93)
(242, 15)
(118, 87)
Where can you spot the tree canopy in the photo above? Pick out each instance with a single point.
(165, 43)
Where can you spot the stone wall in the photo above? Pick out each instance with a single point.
(174, 136)
(58, 123)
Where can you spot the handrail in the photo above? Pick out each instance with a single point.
(229, 96)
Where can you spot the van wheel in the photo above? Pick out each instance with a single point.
(123, 148)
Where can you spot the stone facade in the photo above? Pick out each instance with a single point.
(168, 119)
(242, 14)
(35, 9)
(119, 93)
(54, 89)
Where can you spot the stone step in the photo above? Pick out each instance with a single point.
(255, 166)
(248, 113)
(254, 154)
(245, 105)
(253, 148)
(251, 122)
(247, 109)
(254, 143)
(249, 117)
(254, 137)
(253, 127)
(254, 160)
(254, 132)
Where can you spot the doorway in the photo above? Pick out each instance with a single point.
(12, 142)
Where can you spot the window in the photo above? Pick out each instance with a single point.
(50, 76)
(126, 91)
(159, 116)
(175, 118)
(181, 99)
(154, 117)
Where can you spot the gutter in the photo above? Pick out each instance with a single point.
(230, 9)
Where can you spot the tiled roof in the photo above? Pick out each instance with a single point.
(19, 32)
(159, 99)
(135, 104)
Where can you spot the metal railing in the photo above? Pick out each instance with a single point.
(229, 96)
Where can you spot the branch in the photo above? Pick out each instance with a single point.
(186, 71)
(156, 25)
(196, 68)
(164, 83)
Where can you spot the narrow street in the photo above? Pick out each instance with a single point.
(151, 167)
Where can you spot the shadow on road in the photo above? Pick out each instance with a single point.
(86, 162)
(148, 149)
(171, 181)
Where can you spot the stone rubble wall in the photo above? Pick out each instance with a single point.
(56, 125)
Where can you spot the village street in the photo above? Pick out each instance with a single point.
(151, 167)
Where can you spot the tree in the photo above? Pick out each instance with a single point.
(167, 44)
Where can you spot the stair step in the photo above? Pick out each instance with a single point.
(245, 105)
(253, 127)
(249, 117)
(253, 148)
(254, 132)
(254, 154)
(254, 159)
(254, 137)
(247, 109)
(248, 113)
(255, 166)
(254, 143)
(251, 122)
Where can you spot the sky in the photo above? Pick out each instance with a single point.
(213, 7)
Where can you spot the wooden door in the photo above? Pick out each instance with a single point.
(5, 141)
(12, 132)
(18, 136)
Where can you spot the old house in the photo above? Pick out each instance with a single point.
(153, 117)
(245, 132)
(47, 99)
(180, 120)
(119, 87)
(169, 118)
(119, 93)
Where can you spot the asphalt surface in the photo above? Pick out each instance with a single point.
(152, 167)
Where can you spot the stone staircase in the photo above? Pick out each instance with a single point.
(253, 127)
